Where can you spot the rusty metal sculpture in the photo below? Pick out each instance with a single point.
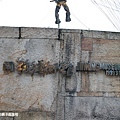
(8, 67)
(44, 68)
(66, 69)
(21, 66)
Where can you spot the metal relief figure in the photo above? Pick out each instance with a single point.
(66, 8)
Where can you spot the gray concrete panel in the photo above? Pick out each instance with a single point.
(92, 108)
(9, 32)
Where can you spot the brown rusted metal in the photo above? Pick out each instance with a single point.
(46, 68)
(21, 66)
(8, 67)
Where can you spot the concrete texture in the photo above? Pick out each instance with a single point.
(83, 96)
(92, 108)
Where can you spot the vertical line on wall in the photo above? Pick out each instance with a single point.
(81, 38)
(19, 33)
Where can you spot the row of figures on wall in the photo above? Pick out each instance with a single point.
(43, 67)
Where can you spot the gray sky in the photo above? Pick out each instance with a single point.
(40, 13)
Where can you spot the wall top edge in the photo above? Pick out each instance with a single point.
(15, 32)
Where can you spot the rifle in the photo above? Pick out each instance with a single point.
(52, 0)
(56, 0)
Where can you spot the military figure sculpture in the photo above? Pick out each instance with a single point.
(66, 8)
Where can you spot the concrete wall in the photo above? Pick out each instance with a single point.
(83, 96)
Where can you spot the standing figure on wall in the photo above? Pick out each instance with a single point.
(66, 8)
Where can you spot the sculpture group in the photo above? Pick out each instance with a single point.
(43, 67)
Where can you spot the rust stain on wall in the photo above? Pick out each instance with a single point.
(87, 44)
(21, 52)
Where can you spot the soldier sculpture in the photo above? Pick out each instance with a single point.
(66, 8)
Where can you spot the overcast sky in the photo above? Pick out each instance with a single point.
(40, 13)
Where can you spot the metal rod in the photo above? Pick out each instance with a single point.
(58, 25)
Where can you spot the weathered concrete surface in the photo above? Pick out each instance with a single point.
(105, 50)
(9, 32)
(84, 96)
(35, 115)
(6, 118)
(101, 34)
(31, 115)
(23, 92)
(72, 54)
(39, 33)
(92, 108)
(99, 82)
